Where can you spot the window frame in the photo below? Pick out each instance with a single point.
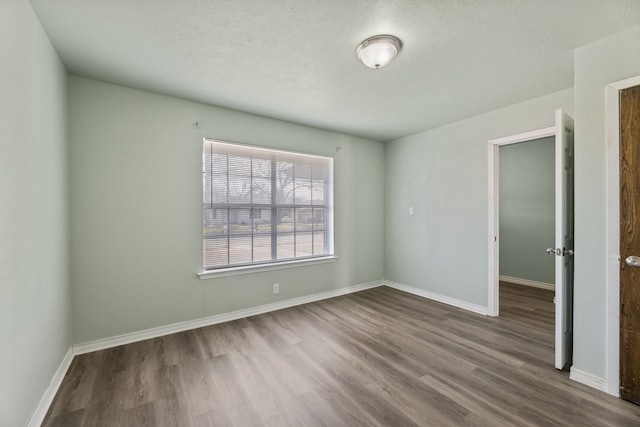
(277, 155)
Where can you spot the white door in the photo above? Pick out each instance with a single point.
(564, 240)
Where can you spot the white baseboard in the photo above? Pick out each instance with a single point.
(440, 298)
(526, 282)
(50, 392)
(47, 398)
(105, 343)
(45, 403)
(588, 379)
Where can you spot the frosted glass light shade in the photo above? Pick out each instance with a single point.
(378, 51)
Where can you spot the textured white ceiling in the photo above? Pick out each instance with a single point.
(295, 60)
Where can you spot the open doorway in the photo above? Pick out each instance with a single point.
(526, 215)
(562, 249)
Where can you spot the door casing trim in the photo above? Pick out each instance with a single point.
(612, 354)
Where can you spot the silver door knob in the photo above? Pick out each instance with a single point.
(632, 261)
(552, 251)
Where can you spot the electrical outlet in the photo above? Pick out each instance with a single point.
(411, 210)
(276, 288)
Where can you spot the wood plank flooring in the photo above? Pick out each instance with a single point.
(379, 357)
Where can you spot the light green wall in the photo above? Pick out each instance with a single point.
(35, 312)
(443, 174)
(136, 210)
(527, 210)
(606, 61)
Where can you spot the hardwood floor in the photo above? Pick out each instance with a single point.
(530, 307)
(379, 357)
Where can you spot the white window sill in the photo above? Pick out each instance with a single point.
(234, 271)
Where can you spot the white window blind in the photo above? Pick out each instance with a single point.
(264, 206)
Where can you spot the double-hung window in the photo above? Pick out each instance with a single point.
(264, 206)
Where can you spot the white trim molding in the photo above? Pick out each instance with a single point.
(102, 344)
(115, 341)
(50, 392)
(437, 297)
(261, 268)
(527, 282)
(588, 379)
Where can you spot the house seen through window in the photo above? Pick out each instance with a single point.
(264, 206)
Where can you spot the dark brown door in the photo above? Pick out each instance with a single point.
(630, 244)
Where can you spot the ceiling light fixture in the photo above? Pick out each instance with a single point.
(378, 51)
